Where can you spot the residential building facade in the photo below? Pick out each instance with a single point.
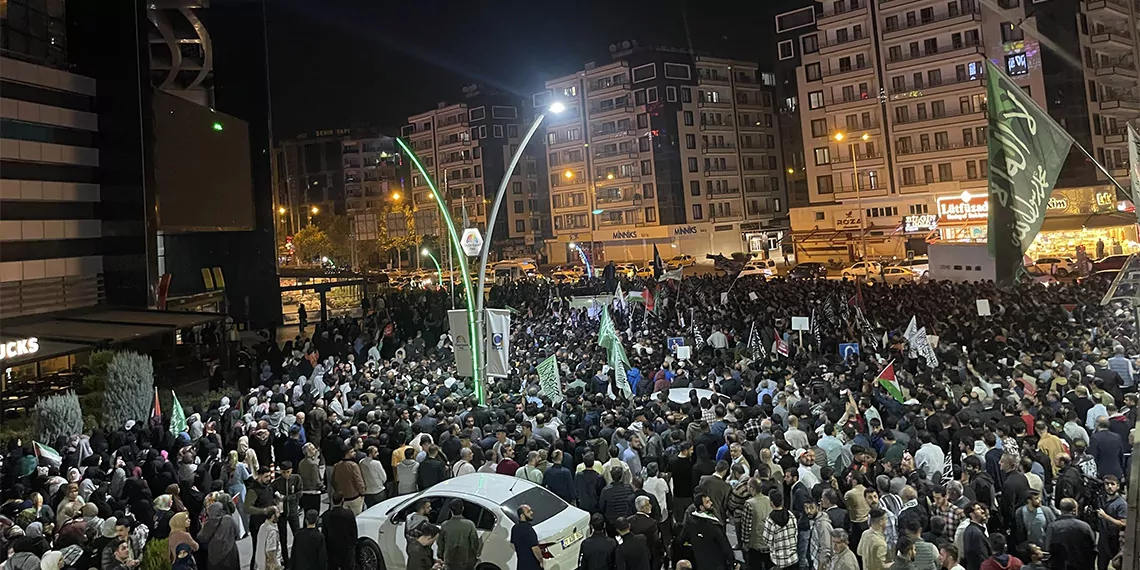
(663, 148)
(892, 103)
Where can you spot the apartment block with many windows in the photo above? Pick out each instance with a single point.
(663, 148)
(892, 101)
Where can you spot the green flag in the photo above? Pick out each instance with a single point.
(550, 385)
(177, 416)
(1026, 151)
(609, 339)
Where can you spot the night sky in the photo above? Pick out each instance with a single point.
(342, 63)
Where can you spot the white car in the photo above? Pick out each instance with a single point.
(895, 275)
(763, 267)
(1059, 266)
(491, 501)
(919, 265)
(869, 270)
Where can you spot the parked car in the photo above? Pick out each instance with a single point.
(567, 273)
(1039, 275)
(491, 501)
(645, 272)
(626, 270)
(1110, 262)
(863, 270)
(682, 260)
(1059, 266)
(765, 268)
(895, 275)
(919, 265)
(809, 270)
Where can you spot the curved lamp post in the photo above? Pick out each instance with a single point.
(438, 269)
(476, 347)
(556, 108)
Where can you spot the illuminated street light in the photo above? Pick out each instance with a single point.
(791, 171)
(438, 269)
(610, 176)
(557, 107)
(281, 210)
(568, 175)
(315, 210)
(395, 196)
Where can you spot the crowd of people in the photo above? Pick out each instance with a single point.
(1008, 448)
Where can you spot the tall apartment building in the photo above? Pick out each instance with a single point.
(466, 148)
(790, 27)
(661, 147)
(892, 100)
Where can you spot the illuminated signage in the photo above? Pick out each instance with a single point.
(964, 208)
(1017, 64)
(19, 347)
(850, 220)
(920, 223)
(1058, 203)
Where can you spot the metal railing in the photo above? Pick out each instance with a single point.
(939, 148)
(911, 87)
(932, 116)
(904, 26)
(907, 56)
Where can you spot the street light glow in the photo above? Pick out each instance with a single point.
(557, 107)
(791, 171)
(839, 136)
(568, 175)
(866, 136)
(281, 210)
(395, 195)
(424, 251)
(609, 176)
(315, 210)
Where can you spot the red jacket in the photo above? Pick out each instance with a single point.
(1008, 562)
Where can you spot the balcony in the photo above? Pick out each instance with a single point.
(444, 144)
(1112, 9)
(623, 198)
(911, 90)
(703, 76)
(940, 119)
(612, 133)
(953, 150)
(718, 148)
(1112, 40)
(752, 127)
(727, 215)
(351, 163)
(892, 4)
(1117, 136)
(600, 111)
(451, 124)
(608, 85)
(866, 190)
(946, 55)
(757, 169)
(1119, 72)
(721, 193)
(844, 11)
(724, 125)
(837, 104)
(870, 159)
(718, 104)
(832, 46)
(605, 222)
(456, 160)
(1119, 103)
(846, 73)
(753, 102)
(615, 154)
(942, 186)
(726, 171)
(944, 20)
(570, 115)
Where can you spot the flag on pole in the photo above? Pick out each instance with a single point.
(156, 411)
(780, 346)
(550, 385)
(619, 298)
(609, 339)
(1134, 166)
(815, 329)
(48, 455)
(887, 380)
(658, 265)
(698, 339)
(650, 301)
(177, 416)
(755, 343)
(1027, 149)
(674, 275)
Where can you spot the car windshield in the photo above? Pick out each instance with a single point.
(544, 503)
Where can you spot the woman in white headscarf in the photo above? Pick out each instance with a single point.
(224, 406)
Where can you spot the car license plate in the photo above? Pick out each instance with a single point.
(566, 542)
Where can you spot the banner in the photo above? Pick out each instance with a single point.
(1134, 166)
(550, 385)
(461, 341)
(609, 339)
(177, 416)
(1026, 152)
(498, 338)
(756, 344)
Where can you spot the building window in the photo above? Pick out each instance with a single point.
(686, 95)
(651, 95)
(698, 212)
(644, 73)
(520, 226)
(483, 132)
(478, 171)
(815, 100)
(928, 174)
(945, 172)
(820, 216)
(677, 71)
(670, 94)
(688, 118)
(516, 187)
(824, 184)
(643, 144)
(651, 214)
(694, 188)
(503, 112)
(810, 43)
(777, 206)
(971, 169)
(787, 49)
(647, 190)
(1010, 32)
(819, 127)
(512, 131)
(822, 156)
(690, 141)
(643, 120)
(647, 167)
(812, 72)
(693, 165)
(908, 176)
(477, 114)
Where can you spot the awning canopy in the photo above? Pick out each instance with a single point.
(47, 349)
(1091, 221)
(85, 331)
(158, 318)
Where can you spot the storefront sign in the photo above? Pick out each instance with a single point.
(849, 220)
(651, 232)
(19, 347)
(920, 223)
(964, 208)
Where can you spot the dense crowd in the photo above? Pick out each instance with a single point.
(1009, 447)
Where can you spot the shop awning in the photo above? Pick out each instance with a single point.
(1092, 221)
(47, 349)
(173, 319)
(85, 332)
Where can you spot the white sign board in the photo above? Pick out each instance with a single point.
(983, 307)
(753, 296)
(19, 347)
(801, 323)
(683, 352)
(724, 298)
(471, 242)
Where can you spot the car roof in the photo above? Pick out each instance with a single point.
(490, 486)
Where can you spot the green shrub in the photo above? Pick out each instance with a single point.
(129, 393)
(16, 429)
(156, 555)
(57, 415)
(96, 379)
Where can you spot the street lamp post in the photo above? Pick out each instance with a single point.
(556, 108)
(858, 190)
(438, 269)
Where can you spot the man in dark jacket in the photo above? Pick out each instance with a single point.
(717, 489)
(1015, 489)
(614, 501)
(432, 469)
(309, 551)
(598, 550)
(259, 498)
(1108, 450)
(1070, 483)
(633, 552)
(339, 527)
(588, 485)
(1069, 540)
(703, 530)
(975, 544)
(558, 479)
(643, 523)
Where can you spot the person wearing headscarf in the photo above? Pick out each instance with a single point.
(219, 537)
(52, 560)
(183, 558)
(70, 506)
(163, 515)
(180, 534)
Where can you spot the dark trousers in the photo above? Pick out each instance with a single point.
(284, 523)
(857, 530)
(756, 560)
(373, 499)
(310, 502)
(255, 522)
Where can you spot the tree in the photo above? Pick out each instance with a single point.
(338, 229)
(57, 415)
(311, 243)
(129, 391)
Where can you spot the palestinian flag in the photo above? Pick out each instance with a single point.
(647, 296)
(157, 410)
(48, 455)
(887, 380)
